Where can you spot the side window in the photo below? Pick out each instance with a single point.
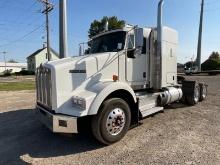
(130, 41)
(144, 46)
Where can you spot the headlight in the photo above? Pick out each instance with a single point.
(79, 102)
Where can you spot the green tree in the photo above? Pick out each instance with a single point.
(12, 61)
(97, 26)
(190, 64)
(214, 56)
(212, 63)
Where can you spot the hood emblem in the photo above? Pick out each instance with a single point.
(77, 71)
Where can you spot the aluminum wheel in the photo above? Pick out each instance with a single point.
(115, 121)
(197, 94)
(204, 92)
(112, 121)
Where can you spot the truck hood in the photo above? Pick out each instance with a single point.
(88, 64)
(70, 76)
(71, 73)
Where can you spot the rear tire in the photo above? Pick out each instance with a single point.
(203, 92)
(183, 99)
(194, 99)
(112, 121)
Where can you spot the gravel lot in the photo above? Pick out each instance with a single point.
(17, 78)
(180, 135)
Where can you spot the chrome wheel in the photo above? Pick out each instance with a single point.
(204, 92)
(112, 122)
(115, 121)
(197, 94)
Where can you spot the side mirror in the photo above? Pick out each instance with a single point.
(139, 36)
(131, 53)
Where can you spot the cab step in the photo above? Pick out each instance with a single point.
(148, 112)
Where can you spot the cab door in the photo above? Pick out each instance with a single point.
(136, 64)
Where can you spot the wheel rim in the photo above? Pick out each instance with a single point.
(196, 95)
(115, 121)
(204, 92)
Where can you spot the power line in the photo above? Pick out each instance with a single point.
(23, 37)
(211, 10)
(16, 22)
(211, 2)
(20, 29)
(27, 9)
(48, 8)
(19, 17)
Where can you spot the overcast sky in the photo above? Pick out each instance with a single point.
(22, 29)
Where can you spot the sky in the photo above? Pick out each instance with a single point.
(22, 25)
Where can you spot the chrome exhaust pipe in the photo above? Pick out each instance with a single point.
(158, 60)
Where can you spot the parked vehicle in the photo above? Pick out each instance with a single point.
(129, 74)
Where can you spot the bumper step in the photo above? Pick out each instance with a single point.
(151, 111)
(57, 123)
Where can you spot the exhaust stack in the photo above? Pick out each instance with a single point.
(63, 29)
(106, 26)
(199, 48)
(158, 59)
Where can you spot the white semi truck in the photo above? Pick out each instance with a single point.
(129, 74)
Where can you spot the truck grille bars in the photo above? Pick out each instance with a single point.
(43, 84)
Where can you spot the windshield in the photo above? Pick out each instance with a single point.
(108, 42)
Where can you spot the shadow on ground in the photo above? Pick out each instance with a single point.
(22, 134)
(176, 105)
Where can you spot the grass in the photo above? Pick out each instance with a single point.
(17, 86)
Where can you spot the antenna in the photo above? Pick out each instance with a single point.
(106, 25)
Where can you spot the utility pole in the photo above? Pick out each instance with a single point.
(48, 9)
(198, 59)
(63, 29)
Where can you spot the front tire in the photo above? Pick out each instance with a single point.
(112, 121)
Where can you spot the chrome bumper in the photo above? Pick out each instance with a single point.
(57, 123)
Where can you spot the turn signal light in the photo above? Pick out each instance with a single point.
(115, 77)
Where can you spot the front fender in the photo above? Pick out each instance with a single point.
(103, 90)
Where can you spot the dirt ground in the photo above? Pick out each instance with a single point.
(180, 135)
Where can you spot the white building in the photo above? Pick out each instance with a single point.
(40, 57)
(12, 67)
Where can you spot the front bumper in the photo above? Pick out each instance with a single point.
(57, 123)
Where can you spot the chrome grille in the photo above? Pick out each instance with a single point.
(44, 88)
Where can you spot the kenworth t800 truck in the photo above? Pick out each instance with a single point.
(129, 74)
